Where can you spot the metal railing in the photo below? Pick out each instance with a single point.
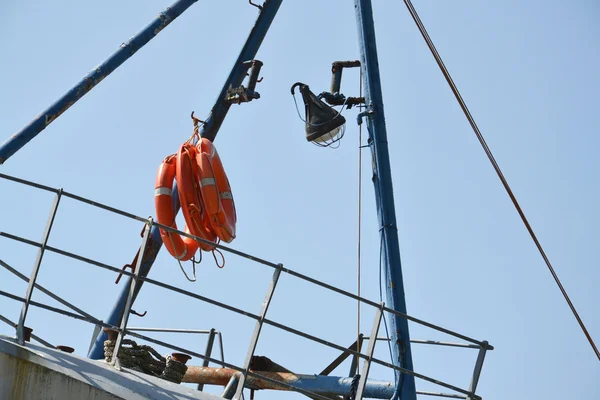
(261, 318)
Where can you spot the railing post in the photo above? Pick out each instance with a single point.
(477, 370)
(129, 301)
(256, 334)
(208, 352)
(36, 267)
(367, 364)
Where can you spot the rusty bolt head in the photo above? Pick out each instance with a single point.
(182, 358)
(27, 333)
(112, 334)
(66, 349)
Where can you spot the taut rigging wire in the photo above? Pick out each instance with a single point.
(490, 156)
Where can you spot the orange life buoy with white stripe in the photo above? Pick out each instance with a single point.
(216, 191)
(181, 248)
(205, 197)
(190, 197)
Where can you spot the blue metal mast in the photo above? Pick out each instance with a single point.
(209, 130)
(95, 76)
(384, 196)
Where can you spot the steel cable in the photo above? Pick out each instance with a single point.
(488, 152)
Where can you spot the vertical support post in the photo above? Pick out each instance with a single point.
(384, 196)
(355, 359)
(36, 268)
(129, 302)
(370, 349)
(256, 334)
(477, 370)
(209, 130)
(221, 347)
(95, 76)
(208, 352)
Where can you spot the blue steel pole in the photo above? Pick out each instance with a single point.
(384, 196)
(209, 130)
(126, 50)
(339, 386)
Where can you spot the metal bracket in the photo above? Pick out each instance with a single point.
(242, 94)
(361, 115)
(138, 314)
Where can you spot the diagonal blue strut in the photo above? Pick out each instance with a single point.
(94, 77)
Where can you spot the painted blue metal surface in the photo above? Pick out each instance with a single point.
(209, 130)
(126, 50)
(335, 385)
(384, 195)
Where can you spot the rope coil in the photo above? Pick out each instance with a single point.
(145, 359)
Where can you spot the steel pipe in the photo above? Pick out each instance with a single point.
(320, 384)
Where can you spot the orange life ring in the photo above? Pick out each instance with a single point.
(181, 248)
(192, 204)
(216, 191)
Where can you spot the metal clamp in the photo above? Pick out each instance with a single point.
(242, 94)
(361, 115)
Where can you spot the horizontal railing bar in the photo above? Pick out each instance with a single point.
(201, 298)
(426, 378)
(253, 258)
(374, 304)
(449, 344)
(219, 246)
(347, 350)
(256, 259)
(74, 197)
(165, 344)
(146, 279)
(47, 292)
(46, 307)
(172, 330)
(29, 183)
(452, 396)
(66, 254)
(33, 335)
(266, 321)
(434, 342)
(105, 207)
(287, 270)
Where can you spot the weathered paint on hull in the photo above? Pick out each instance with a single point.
(33, 372)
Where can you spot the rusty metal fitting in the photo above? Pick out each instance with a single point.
(112, 334)
(66, 349)
(180, 357)
(27, 331)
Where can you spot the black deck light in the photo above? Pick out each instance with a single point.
(324, 125)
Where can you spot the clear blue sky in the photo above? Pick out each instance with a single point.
(528, 71)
